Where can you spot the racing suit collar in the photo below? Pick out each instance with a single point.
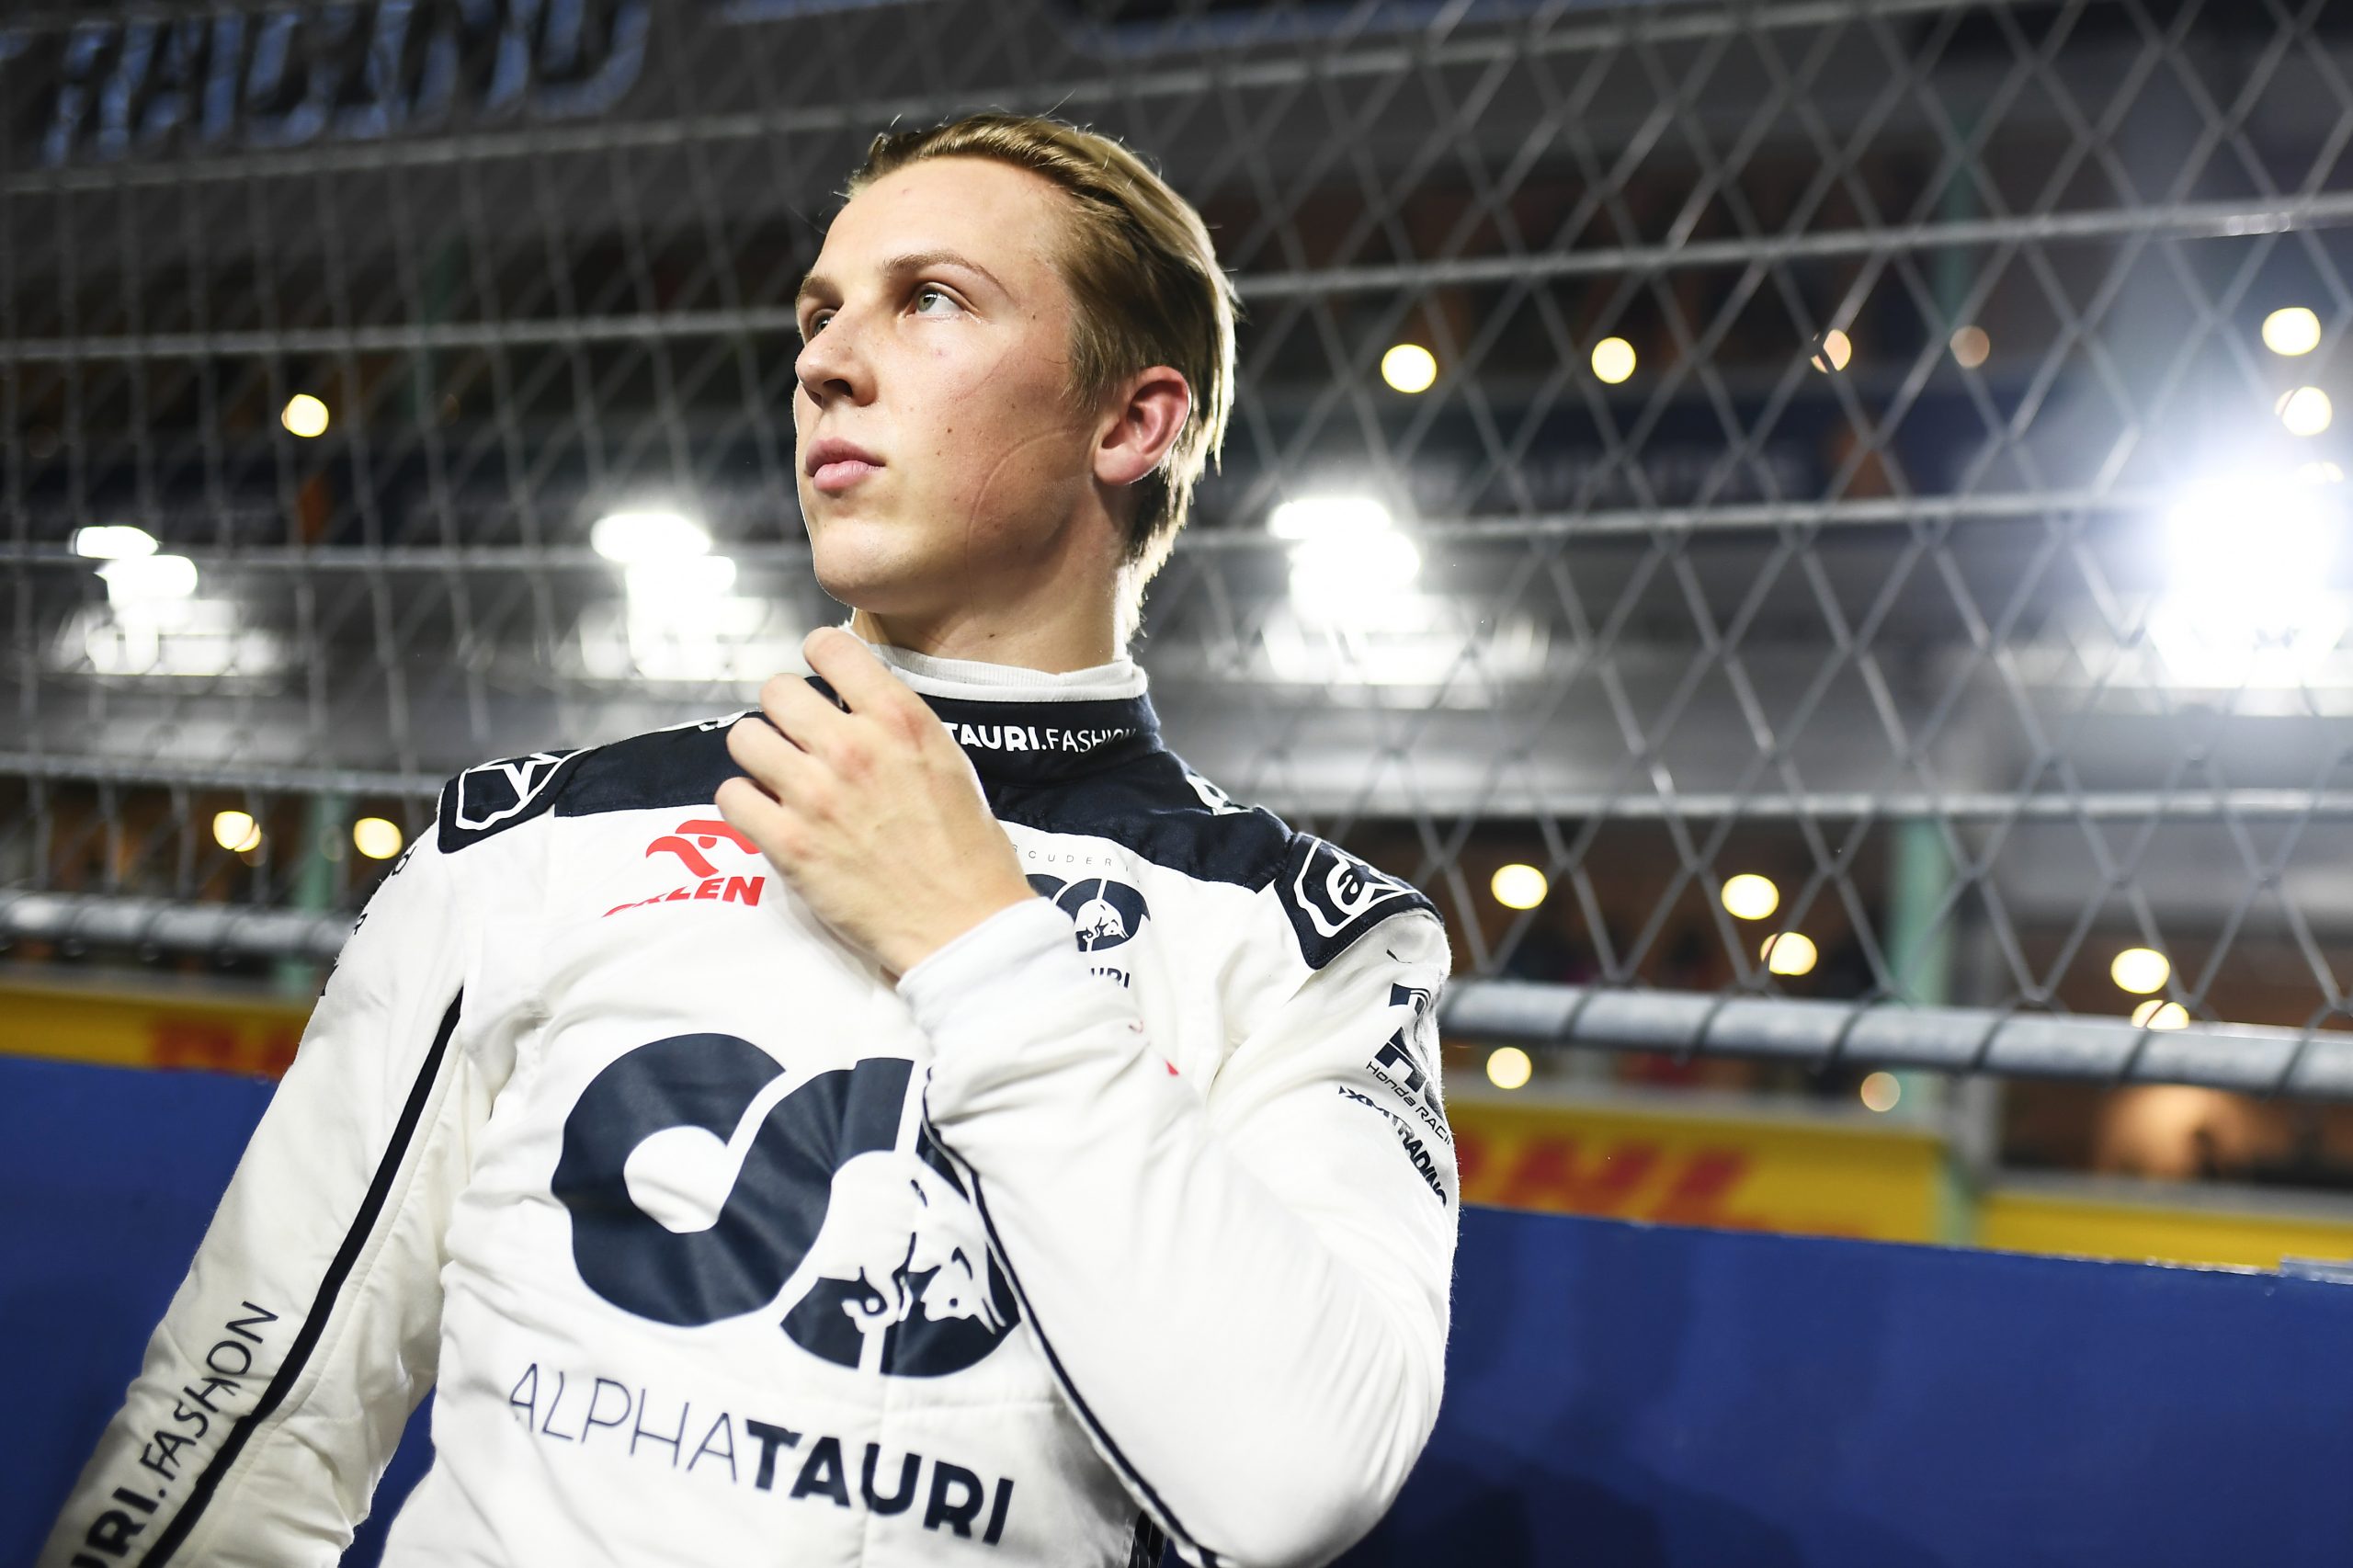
(970, 679)
(1026, 727)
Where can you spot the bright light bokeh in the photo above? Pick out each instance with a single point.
(2156, 1013)
(236, 832)
(1751, 897)
(2306, 411)
(2139, 970)
(1518, 886)
(2292, 331)
(2250, 558)
(637, 539)
(1329, 517)
(1880, 1092)
(304, 416)
(135, 581)
(676, 592)
(1344, 577)
(1508, 1067)
(1789, 952)
(379, 839)
(1972, 346)
(1837, 349)
(1613, 360)
(113, 541)
(1409, 367)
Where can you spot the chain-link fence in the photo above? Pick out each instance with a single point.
(1876, 449)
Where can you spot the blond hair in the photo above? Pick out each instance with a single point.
(1144, 275)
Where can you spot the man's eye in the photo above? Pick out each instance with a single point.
(930, 301)
(815, 324)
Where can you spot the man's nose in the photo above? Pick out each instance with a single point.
(831, 366)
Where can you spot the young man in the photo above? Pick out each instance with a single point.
(726, 1121)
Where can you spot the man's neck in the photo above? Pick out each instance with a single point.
(1055, 644)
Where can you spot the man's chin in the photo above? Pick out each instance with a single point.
(880, 583)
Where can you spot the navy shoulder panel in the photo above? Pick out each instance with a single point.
(1161, 808)
(496, 795)
(1333, 898)
(675, 767)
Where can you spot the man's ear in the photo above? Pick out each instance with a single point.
(1140, 424)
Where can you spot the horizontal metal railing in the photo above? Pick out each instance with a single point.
(2248, 1057)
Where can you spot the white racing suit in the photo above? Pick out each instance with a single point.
(720, 1248)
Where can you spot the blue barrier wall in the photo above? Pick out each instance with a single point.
(1617, 1396)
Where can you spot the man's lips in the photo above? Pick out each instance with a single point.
(834, 465)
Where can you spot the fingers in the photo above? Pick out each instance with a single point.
(805, 716)
(848, 666)
(745, 807)
(776, 764)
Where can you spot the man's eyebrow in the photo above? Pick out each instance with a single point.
(923, 261)
(816, 286)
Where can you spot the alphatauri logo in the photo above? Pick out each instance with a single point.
(705, 1182)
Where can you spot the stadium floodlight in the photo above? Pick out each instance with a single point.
(2156, 1013)
(1881, 1091)
(642, 537)
(1329, 517)
(1343, 579)
(141, 582)
(113, 541)
(2249, 559)
(680, 589)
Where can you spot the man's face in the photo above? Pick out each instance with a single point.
(941, 457)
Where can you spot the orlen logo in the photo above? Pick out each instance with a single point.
(687, 842)
(691, 838)
(704, 1183)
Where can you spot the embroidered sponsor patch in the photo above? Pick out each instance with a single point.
(1333, 898)
(481, 800)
